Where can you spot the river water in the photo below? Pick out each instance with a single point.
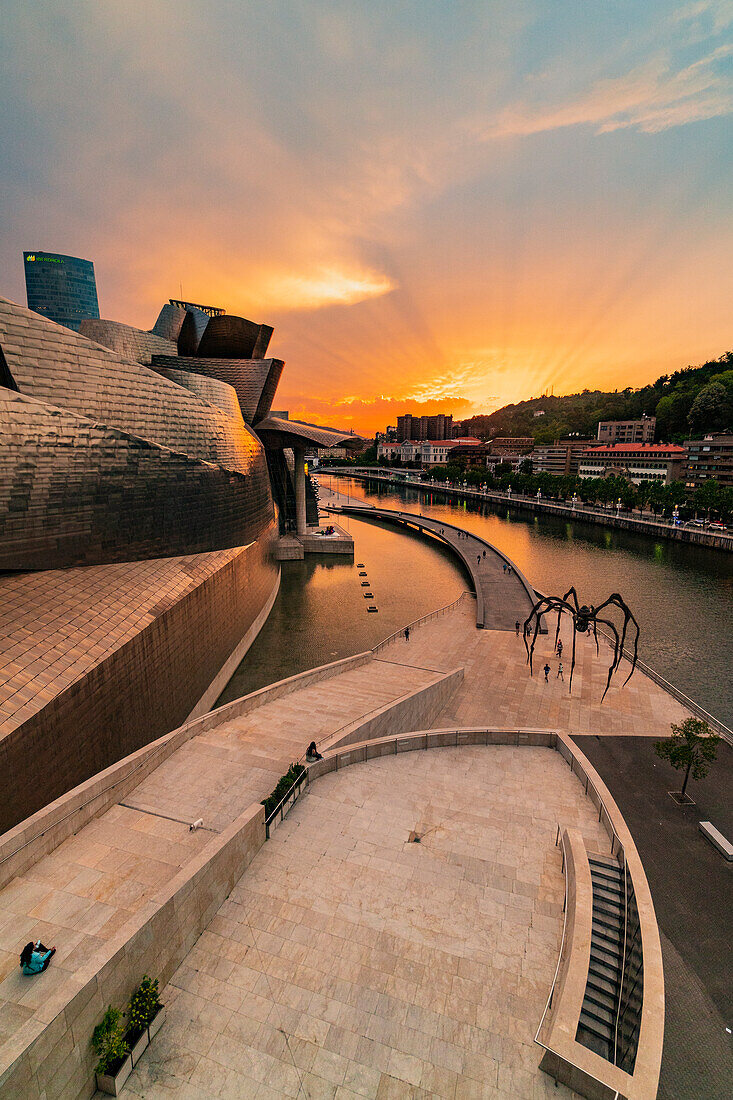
(682, 596)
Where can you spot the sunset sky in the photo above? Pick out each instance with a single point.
(441, 205)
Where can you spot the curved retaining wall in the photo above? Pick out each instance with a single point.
(564, 1059)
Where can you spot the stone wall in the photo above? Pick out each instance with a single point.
(143, 689)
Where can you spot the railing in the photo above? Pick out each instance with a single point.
(291, 796)
(714, 723)
(418, 622)
(548, 1006)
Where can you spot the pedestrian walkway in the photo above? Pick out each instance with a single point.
(503, 593)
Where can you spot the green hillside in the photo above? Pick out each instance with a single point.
(687, 403)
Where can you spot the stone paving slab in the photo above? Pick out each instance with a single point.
(349, 962)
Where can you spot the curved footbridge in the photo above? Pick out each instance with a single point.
(503, 593)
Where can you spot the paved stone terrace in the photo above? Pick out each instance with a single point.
(350, 963)
(79, 896)
(498, 690)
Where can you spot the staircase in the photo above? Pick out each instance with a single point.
(597, 1025)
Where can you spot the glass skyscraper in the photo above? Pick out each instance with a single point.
(62, 288)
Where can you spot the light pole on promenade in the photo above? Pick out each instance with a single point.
(575, 500)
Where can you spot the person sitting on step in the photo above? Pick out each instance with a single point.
(35, 957)
(312, 753)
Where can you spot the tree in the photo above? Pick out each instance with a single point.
(710, 410)
(692, 746)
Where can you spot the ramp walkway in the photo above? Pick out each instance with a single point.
(503, 593)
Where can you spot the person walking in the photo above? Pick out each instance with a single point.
(503, 567)
(484, 553)
(407, 633)
(558, 647)
(516, 627)
(546, 671)
(560, 672)
(478, 560)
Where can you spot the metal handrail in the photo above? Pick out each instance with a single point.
(279, 809)
(423, 619)
(623, 963)
(548, 1006)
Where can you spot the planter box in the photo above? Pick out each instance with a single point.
(156, 1023)
(140, 1046)
(113, 1085)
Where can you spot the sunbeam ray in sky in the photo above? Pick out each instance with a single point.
(449, 205)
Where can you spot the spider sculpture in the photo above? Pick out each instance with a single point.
(583, 618)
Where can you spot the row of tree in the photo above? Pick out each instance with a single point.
(711, 499)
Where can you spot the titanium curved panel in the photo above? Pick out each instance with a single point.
(60, 367)
(249, 377)
(229, 337)
(74, 492)
(124, 340)
(168, 323)
(208, 389)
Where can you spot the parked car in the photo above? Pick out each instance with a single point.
(718, 527)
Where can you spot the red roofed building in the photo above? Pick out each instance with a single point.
(637, 462)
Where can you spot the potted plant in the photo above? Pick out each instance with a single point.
(145, 1011)
(109, 1044)
(137, 1037)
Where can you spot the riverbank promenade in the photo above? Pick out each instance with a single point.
(578, 512)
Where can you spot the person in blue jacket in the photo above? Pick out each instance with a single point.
(35, 957)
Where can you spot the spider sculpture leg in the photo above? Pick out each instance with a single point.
(545, 605)
(616, 600)
(572, 658)
(574, 594)
(616, 653)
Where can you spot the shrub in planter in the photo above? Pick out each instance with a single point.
(109, 1043)
(283, 786)
(143, 1007)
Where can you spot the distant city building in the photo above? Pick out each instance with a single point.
(424, 427)
(708, 458)
(627, 431)
(510, 445)
(540, 412)
(662, 462)
(560, 458)
(61, 288)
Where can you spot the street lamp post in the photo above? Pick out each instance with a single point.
(618, 507)
(676, 516)
(575, 500)
(539, 496)
(509, 492)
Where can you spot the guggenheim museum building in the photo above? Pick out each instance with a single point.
(144, 483)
